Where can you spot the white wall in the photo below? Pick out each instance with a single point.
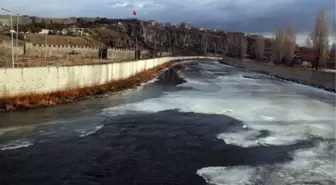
(19, 81)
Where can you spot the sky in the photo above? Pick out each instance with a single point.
(233, 15)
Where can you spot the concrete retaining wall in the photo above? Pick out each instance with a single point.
(324, 80)
(20, 81)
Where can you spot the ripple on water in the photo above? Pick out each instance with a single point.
(89, 131)
(16, 144)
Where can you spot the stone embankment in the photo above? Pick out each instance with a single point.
(319, 79)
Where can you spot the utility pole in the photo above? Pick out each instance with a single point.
(12, 32)
(101, 52)
(173, 43)
(155, 50)
(17, 35)
(68, 52)
(46, 43)
(135, 37)
(135, 43)
(136, 46)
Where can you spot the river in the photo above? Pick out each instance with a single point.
(207, 123)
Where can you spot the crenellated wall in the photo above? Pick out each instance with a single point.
(61, 51)
(7, 47)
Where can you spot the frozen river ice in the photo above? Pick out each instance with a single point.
(222, 126)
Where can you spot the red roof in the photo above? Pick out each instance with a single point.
(304, 53)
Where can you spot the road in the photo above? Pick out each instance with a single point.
(206, 123)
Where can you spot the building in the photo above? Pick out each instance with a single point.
(304, 54)
(24, 20)
(268, 54)
(5, 21)
(44, 32)
(152, 22)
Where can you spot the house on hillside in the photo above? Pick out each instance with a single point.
(76, 31)
(331, 61)
(152, 22)
(4, 22)
(268, 54)
(44, 32)
(304, 54)
(332, 56)
(24, 20)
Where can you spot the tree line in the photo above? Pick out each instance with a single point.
(284, 43)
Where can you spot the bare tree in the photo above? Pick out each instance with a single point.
(290, 44)
(309, 42)
(243, 46)
(259, 48)
(333, 48)
(205, 43)
(279, 44)
(334, 33)
(233, 44)
(319, 38)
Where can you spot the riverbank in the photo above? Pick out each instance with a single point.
(8, 104)
(318, 79)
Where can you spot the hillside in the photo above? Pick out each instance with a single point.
(62, 40)
(126, 33)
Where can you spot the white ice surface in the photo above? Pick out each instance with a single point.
(227, 175)
(261, 105)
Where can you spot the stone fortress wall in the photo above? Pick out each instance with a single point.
(61, 51)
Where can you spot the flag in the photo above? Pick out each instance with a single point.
(134, 12)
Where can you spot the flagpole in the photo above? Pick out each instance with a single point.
(135, 38)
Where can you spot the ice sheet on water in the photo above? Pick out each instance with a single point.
(312, 165)
(242, 139)
(257, 111)
(262, 105)
(227, 175)
(309, 166)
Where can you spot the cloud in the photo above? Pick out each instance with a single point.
(236, 15)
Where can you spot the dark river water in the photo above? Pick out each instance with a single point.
(207, 123)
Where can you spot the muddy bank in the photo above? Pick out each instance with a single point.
(31, 101)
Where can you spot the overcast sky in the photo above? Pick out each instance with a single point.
(234, 15)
